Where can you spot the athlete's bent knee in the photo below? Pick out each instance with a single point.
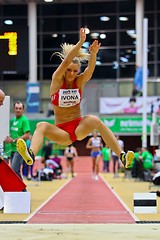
(94, 120)
(41, 126)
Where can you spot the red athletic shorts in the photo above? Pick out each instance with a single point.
(70, 127)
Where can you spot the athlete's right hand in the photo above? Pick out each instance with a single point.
(82, 35)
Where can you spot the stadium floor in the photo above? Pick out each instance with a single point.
(13, 226)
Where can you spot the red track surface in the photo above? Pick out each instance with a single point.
(83, 200)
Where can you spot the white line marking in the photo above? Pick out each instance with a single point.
(125, 206)
(45, 202)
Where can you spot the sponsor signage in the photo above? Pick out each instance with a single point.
(131, 125)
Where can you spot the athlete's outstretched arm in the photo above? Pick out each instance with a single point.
(58, 74)
(88, 72)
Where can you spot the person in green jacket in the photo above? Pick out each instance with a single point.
(106, 156)
(147, 159)
(137, 165)
(19, 128)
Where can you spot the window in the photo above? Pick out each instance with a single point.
(60, 22)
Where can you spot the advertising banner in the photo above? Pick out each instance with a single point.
(127, 125)
(128, 105)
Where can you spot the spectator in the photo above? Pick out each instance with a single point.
(95, 144)
(70, 152)
(45, 174)
(138, 81)
(137, 168)
(55, 164)
(116, 164)
(156, 178)
(50, 111)
(106, 156)
(147, 159)
(46, 151)
(19, 128)
(2, 97)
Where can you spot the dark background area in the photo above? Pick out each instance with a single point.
(14, 67)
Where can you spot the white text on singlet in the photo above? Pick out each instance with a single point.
(69, 97)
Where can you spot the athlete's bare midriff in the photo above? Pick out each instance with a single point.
(67, 114)
(96, 149)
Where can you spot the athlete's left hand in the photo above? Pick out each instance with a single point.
(94, 47)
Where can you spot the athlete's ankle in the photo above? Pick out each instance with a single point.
(123, 158)
(31, 153)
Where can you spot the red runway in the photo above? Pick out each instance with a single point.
(83, 200)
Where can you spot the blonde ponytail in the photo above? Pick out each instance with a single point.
(82, 56)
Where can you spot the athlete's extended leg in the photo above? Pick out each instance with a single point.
(98, 158)
(51, 132)
(72, 166)
(68, 168)
(93, 167)
(89, 123)
(43, 129)
(93, 164)
(97, 166)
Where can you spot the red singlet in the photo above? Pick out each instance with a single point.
(65, 97)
